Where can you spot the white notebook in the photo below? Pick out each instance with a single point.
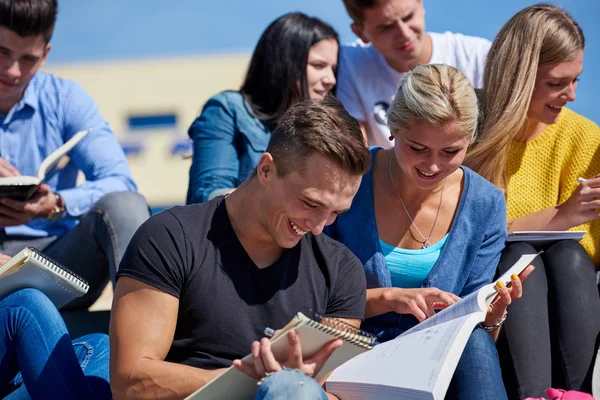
(31, 269)
(234, 385)
(544, 236)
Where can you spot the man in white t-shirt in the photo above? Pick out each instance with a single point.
(392, 40)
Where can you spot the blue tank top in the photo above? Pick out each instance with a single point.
(408, 268)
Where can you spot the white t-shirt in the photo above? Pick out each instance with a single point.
(367, 84)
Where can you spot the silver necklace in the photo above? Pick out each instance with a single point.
(426, 242)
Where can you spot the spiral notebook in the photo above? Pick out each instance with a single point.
(234, 385)
(31, 269)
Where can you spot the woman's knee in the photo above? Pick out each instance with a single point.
(30, 299)
(513, 252)
(568, 257)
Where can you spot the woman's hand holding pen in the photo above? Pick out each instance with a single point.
(264, 362)
(582, 206)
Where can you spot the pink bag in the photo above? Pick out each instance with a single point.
(560, 394)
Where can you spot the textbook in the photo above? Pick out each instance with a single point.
(539, 237)
(23, 187)
(235, 385)
(29, 268)
(420, 363)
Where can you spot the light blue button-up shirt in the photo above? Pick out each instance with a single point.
(51, 111)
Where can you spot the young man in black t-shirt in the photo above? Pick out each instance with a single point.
(198, 284)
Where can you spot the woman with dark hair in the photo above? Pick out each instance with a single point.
(294, 60)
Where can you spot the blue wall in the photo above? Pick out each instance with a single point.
(90, 30)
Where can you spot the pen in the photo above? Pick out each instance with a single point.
(581, 180)
(269, 332)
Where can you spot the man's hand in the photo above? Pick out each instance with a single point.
(263, 360)
(7, 170)
(40, 205)
(4, 258)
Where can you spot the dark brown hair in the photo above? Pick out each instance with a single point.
(324, 127)
(29, 17)
(355, 8)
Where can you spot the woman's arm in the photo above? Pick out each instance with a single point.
(215, 162)
(581, 207)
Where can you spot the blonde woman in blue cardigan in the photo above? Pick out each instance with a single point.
(427, 230)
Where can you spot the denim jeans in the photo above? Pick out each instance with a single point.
(290, 384)
(38, 360)
(478, 374)
(94, 248)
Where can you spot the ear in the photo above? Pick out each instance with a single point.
(420, 3)
(45, 56)
(359, 31)
(266, 169)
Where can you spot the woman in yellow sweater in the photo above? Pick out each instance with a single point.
(535, 149)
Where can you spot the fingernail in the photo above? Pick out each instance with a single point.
(500, 284)
(514, 277)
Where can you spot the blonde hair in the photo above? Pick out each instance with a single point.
(438, 94)
(538, 35)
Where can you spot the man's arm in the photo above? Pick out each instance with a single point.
(99, 155)
(142, 326)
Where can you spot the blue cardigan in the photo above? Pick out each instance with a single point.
(468, 259)
(228, 141)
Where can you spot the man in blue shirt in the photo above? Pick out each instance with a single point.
(86, 227)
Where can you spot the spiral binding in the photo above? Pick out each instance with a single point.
(59, 269)
(344, 331)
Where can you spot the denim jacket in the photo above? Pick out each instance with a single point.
(228, 142)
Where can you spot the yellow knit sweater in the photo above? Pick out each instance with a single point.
(543, 173)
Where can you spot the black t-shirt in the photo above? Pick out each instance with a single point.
(225, 301)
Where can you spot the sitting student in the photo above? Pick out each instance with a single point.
(428, 230)
(535, 149)
(85, 227)
(392, 41)
(199, 283)
(294, 60)
(38, 359)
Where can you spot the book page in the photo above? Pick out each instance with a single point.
(465, 306)
(56, 161)
(423, 359)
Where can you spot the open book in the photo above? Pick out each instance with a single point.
(23, 187)
(235, 385)
(30, 268)
(420, 363)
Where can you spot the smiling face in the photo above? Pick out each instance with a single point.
(321, 67)
(305, 200)
(396, 29)
(555, 86)
(20, 59)
(427, 154)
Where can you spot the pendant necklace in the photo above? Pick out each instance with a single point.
(426, 243)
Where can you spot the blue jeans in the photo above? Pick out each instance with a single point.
(290, 384)
(478, 374)
(38, 359)
(94, 248)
